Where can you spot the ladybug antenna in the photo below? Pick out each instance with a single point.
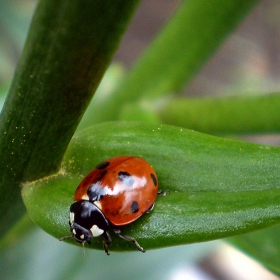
(66, 237)
(72, 236)
(84, 250)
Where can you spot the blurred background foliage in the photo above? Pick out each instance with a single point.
(246, 63)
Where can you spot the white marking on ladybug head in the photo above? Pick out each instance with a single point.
(82, 236)
(74, 231)
(71, 217)
(85, 197)
(96, 231)
(98, 204)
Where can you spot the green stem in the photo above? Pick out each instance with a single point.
(192, 35)
(68, 49)
(257, 114)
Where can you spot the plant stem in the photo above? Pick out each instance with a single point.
(68, 49)
(191, 36)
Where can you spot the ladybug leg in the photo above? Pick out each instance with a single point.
(128, 238)
(150, 208)
(163, 193)
(106, 242)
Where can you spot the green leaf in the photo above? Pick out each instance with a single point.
(218, 187)
(194, 32)
(230, 114)
(69, 46)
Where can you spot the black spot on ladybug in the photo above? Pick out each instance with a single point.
(101, 175)
(95, 192)
(126, 178)
(102, 165)
(154, 179)
(134, 207)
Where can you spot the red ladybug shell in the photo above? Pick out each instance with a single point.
(123, 187)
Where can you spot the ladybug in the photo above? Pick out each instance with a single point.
(114, 194)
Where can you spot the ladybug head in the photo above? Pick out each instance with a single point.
(86, 221)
